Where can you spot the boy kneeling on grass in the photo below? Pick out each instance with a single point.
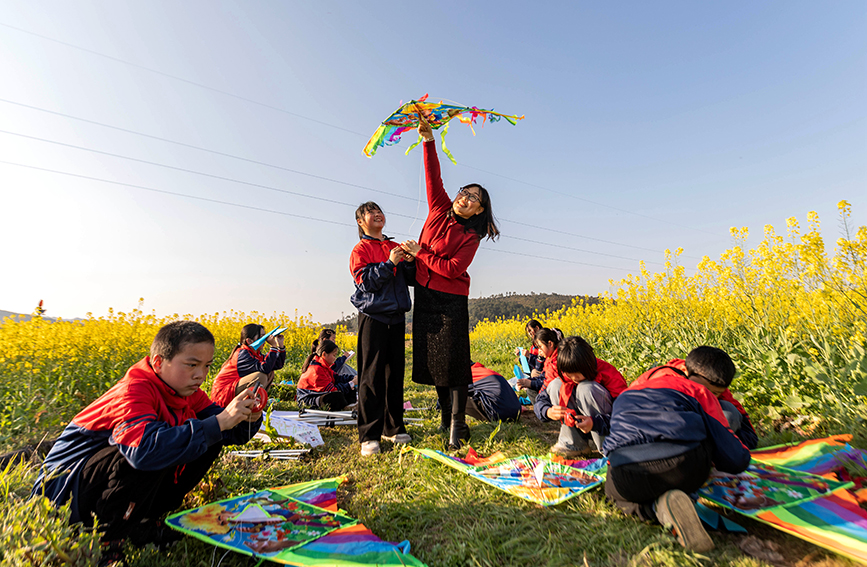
(133, 454)
(667, 432)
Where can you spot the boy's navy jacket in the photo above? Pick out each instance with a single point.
(747, 434)
(381, 288)
(663, 414)
(493, 394)
(244, 361)
(153, 427)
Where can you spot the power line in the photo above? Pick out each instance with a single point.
(262, 209)
(322, 122)
(187, 81)
(284, 191)
(589, 201)
(295, 171)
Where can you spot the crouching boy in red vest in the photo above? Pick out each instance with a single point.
(133, 454)
(667, 431)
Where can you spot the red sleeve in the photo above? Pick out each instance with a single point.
(457, 264)
(357, 260)
(610, 377)
(437, 198)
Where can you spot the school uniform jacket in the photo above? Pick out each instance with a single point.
(319, 379)
(747, 434)
(493, 394)
(447, 250)
(153, 427)
(244, 361)
(664, 414)
(381, 288)
(606, 375)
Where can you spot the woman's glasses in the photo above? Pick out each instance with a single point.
(472, 198)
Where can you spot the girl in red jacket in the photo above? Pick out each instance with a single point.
(448, 243)
(247, 365)
(381, 271)
(317, 388)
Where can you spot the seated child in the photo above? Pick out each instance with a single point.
(246, 366)
(491, 398)
(667, 431)
(736, 415)
(536, 358)
(318, 387)
(581, 397)
(340, 367)
(133, 454)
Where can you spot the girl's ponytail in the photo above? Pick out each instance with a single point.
(310, 356)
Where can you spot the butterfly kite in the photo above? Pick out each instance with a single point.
(437, 115)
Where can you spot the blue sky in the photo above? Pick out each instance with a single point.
(648, 126)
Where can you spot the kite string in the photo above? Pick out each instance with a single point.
(418, 203)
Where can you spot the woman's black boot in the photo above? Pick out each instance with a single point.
(459, 430)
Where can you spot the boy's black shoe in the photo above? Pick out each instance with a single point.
(155, 532)
(112, 554)
(676, 510)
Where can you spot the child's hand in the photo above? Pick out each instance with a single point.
(280, 340)
(272, 340)
(523, 382)
(354, 381)
(556, 413)
(396, 255)
(237, 411)
(411, 247)
(535, 373)
(584, 423)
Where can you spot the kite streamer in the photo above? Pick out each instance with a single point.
(437, 114)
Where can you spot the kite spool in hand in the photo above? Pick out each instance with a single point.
(261, 396)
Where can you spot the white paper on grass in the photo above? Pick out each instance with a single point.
(298, 430)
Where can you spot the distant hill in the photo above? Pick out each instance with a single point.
(4, 314)
(504, 305)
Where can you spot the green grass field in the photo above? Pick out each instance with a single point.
(450, 519)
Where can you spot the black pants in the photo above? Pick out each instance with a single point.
(121, 496)
(380, 378)
(636, 486)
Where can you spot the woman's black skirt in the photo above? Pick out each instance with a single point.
(440, 339)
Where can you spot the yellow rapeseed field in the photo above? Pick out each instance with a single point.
(793, 317)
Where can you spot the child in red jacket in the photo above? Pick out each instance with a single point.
(581, 397)
(246, 366)
(133, 454)
(382, 272)
(317, 386)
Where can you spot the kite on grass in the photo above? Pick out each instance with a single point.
(437, 114)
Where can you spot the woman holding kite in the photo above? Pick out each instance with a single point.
(445, 249)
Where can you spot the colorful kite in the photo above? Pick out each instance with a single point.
(297, 524)
(537, 479)
(437, 115)
(835, 522)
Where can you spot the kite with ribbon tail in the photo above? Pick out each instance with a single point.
(437, 114)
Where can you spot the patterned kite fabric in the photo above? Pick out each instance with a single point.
(539, 480)
(437, 114)
(835, 522)
(294, 525)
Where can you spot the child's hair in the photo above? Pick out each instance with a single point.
(326, 347)
(172, 338)
(711, 363)
(362, 209)
(574, 354)
(533, 324)
(251, 331)
(483, 224)
(323, 336)
(546, 335)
